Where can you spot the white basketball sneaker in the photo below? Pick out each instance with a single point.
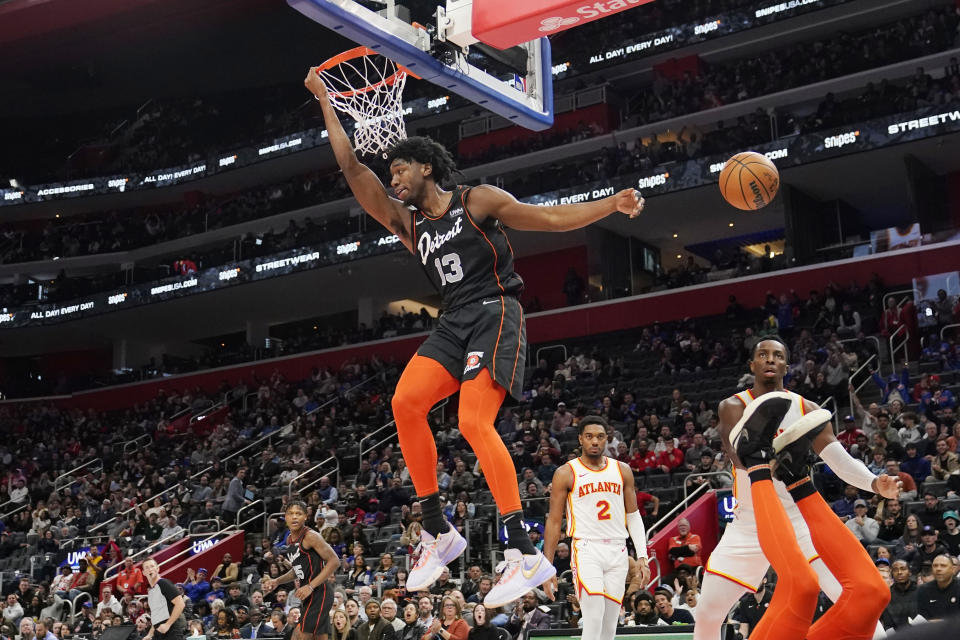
(518, 574)
(435, 554)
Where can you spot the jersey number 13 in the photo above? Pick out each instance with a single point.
(449, 268)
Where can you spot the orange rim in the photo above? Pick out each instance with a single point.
(359, 52)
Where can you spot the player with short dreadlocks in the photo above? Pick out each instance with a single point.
(478, 348)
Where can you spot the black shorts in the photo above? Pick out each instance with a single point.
(315, 612)
(487, 334)
(177, 631)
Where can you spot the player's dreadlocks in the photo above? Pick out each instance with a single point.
(424, 150)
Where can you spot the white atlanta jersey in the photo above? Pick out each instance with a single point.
(738, 557)
(741, 485)
(595, 509)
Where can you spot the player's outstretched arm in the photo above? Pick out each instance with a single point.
(559, 490)
(848, 468)
(364, 183)
(489, 200)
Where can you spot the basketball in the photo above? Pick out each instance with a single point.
(749, 181)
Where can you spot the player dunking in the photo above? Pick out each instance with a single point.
(478, 348)
(313, 563)
(601, 506)
(798, 534)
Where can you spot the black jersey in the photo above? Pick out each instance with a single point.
(307, 563)
(464, 260)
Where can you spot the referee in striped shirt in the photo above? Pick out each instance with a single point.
(166, 605)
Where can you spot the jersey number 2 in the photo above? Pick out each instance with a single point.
(449, 268)
(604, 510)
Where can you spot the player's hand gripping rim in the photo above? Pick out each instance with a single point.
(315, 85)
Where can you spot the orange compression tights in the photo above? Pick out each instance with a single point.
(864, 597)
(795, 597)
(424, 383)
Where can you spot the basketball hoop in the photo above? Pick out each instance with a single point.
(369, 87)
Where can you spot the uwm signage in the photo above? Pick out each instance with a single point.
(505, 23)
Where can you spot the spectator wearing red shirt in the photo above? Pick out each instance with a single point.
(908, 316)
(909, 490)
(644, 498)
(643, 460)
(669, 460)
(354, 513)
(848, 437)
(892, 318)
(110, 554)
(131, 578)
(83, 581)
(185, 267)
(685, 547)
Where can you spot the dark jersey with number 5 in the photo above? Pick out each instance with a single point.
(464, 260)
(307, 563)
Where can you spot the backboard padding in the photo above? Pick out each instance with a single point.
(409, 46)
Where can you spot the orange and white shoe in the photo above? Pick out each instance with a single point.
(435, 554)
(519, 574)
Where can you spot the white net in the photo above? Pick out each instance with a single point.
(369, 87)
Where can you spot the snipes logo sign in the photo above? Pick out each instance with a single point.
(587, 12)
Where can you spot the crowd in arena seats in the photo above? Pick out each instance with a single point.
(125, 230)
(658, 386)
(121, 501)
(797, 65)
(647, 19)
(285, 340)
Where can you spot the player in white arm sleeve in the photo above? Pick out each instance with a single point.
(600, 501)
(738, 563)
